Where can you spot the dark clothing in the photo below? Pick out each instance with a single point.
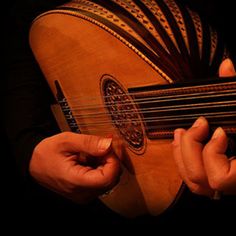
(28, 118)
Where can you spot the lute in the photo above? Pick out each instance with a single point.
(132, 69)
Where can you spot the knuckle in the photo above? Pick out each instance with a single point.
(186, 136)
(196, 178)
(195, 188)
(111, 181)
(208, 150)
(41, 146)
(109, 184)
(64, 138)
(216, 183)
(65, 134)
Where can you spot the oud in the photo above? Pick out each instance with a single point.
(131, 69)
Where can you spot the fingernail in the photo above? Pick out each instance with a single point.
(104, 144)
(230, 65)
(218, 132)
(227, 68)
(198, 122)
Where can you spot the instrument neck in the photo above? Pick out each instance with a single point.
(167, 107)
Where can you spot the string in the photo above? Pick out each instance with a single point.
(154, 99)
(167, 119)
(155, 128)
(222, 88)
(143, 111)
(127, 108)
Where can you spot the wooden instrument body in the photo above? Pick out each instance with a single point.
(78, 54)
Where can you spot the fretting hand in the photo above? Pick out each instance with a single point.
(204, 167)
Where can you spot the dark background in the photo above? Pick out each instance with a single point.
(27, 202)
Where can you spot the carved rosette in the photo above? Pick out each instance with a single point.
(124, 114)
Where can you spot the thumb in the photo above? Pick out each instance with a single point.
(227, 68)
(90, 144)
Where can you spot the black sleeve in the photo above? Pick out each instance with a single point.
(27, 114)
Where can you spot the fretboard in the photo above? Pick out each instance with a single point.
(167, 107)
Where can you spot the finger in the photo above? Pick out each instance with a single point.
(227, 68)
(93, 145)
(177, 152)
(102, 177)
(220, 170)
(192, 146)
